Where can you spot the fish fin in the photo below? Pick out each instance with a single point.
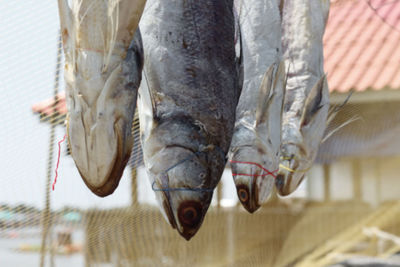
(146, 108)
(272, 111)
(333, 111)
(264, 95)
(280, 88)
(148, 97)
(66, 20)
(344, 124)
(317, 102)
(239, 58)
(272, 92)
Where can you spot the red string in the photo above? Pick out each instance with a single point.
(58, 160)
(273, 173)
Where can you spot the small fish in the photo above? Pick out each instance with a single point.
(187, 114)
(306, 102)
(103, 67)
(255, 147)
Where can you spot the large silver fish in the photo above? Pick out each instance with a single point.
(188, 113)
(255, 147)
(103, 69)
(307, 96)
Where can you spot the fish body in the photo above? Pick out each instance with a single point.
(103, 66)
(255, 146)
(188, 112)
(307, 96)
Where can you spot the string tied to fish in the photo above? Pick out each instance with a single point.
(58, 161)
(290, 169)
(265, 173)
(202, 149)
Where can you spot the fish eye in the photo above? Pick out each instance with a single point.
(243, 194)
(202, 175)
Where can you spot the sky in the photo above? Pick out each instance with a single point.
(28, 49)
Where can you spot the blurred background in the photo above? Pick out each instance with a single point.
(345, 213)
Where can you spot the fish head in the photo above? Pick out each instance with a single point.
(101, 106)
(183, 174)
(253, 172)
(103, 66)
(301, 139)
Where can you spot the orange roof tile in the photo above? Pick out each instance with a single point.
(361, 49)
(362, 45)
(45, 108)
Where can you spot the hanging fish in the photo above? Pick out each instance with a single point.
(307, 96)
(103, 66)
(255, 147)
(187, 114)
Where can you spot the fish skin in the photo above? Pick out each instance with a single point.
(103, 67)
(257, 131)
(307, 96)
(187, 114)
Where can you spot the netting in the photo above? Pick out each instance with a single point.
(347, 208)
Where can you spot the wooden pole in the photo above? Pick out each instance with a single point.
(219, 193)
(357, 191)
(134, 192)
(327, 182)
(378, 179)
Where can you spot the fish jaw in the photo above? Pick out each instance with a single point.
(179, 178)
(289, 177)
(293, 165)
(101, 106)
(253, 183)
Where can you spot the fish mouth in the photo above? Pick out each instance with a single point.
(187, 218)
(104, 185)
(253, 183)
(190, 217)
(288, 179)
(248, 198)
(182, 189)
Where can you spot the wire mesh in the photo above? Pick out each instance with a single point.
(347, 207)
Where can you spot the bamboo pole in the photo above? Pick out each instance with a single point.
(134, 191)
(357, 190)
(327, 182)
(345, 240)
(46, 215)
(219, 194)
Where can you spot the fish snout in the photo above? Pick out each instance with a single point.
(288, 177)
(183, 214)
(245, 176)
(184, 187)
(190, 216)
(253, 181)
(248, 197)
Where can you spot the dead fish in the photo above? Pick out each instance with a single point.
(255, 147)
(307, 96)
(187, 114)
(103, 67)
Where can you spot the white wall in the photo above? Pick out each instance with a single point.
(380, 180)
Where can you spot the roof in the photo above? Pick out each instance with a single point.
(47, 107)
(362, 45)
(361, 49)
